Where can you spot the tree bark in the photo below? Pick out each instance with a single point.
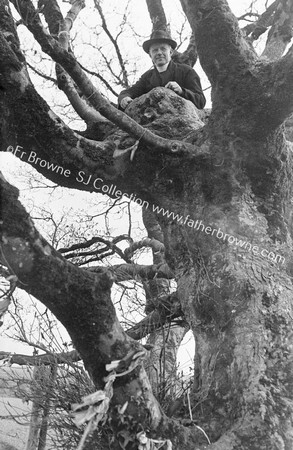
(280, 34)
(157, 14)
(89, 317)
(228, 247)
(41, 378)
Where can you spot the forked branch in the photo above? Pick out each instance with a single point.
(66, 60)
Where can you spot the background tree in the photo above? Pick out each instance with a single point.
(232, 173)
(58, 379)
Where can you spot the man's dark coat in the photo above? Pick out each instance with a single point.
(184, 75)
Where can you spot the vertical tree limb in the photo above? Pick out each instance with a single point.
(60, 28)
(281, 31)
(157, 14)
(220, 43)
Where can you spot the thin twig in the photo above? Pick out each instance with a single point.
(190, 413)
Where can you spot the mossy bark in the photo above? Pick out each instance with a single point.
(232, 182)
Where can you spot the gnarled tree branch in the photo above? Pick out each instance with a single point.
(62, 26)
(220, 42)
(281, 31)
(254, 30)
(168, 309)
(66, 60)
(124, 272)
(81, 301)
(46, 359)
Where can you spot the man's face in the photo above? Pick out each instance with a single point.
(160, 53)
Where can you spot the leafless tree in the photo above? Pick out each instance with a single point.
(226, 174)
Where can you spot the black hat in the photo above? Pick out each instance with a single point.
(159, 36)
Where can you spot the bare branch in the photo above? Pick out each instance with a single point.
(110, 66)
(124, 272)
(47, 359)
(155, 245)
(254, 30)
(83, 245)
(86, 308)
(279, 18)
(101, 78)
(246, 16)
(41, 74)
(281, 83)
(156, 288)
(52, 14)
(61, 56)
(167, 310)
(281, 32)
(98, 254)
(189, 56)
(114, 42)
(60, 28)
(35, 262)
(85, 111)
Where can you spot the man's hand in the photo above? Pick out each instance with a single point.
(174, 87)
(125, 102)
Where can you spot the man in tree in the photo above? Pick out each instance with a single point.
(180, 78)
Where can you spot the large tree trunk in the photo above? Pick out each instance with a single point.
(230, 180)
